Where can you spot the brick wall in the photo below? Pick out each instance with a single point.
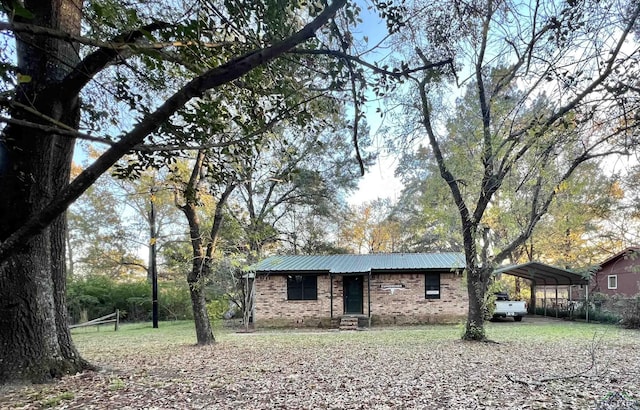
(395, 299)
(273, 309)
(408, 304)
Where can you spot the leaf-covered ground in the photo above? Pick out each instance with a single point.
(535, 364)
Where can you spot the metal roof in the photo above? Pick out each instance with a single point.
(543, 274)
(344, 264)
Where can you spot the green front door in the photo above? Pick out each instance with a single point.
(353, 294)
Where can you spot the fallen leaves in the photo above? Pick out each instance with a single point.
(418, 368)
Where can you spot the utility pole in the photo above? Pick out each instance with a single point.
(152, 257)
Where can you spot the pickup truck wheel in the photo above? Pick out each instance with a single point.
(517, 318)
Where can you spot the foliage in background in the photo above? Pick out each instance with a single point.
(301, 175)
(517, 288)
(625, 310)
(102, 295)
(595, 315)
(109, 226)
(577, 231)
(491, 297)
(219, 308)
(99, 240)
(370, 228)
(425, 208)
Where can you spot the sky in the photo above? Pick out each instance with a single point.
(379, 180)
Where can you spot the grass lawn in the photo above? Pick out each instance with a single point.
(535, 364)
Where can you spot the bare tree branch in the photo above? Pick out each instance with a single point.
(378, 70)
(55, 130)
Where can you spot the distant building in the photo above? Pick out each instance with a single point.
(620, 274)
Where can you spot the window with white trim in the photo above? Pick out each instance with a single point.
(612, 281)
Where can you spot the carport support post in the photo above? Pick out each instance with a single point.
(153, 270)
(569, 303)
(534, 289)
(587, 301)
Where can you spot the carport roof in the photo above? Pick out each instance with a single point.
(543, 274)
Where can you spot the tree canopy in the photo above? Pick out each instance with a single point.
(545, 87)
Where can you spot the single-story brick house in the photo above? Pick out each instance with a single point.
(619, 274)
(397, 288)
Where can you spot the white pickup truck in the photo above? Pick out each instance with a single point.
(509, 308)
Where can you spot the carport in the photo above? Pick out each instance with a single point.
(541, 274)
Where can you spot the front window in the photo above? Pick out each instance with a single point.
(302, 287)
(432, 286)
(612, 281)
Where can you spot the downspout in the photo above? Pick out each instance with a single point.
(331, 298)
(369, 296)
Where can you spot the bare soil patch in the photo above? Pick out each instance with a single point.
(533, 366)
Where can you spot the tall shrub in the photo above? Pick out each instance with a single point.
(631, 313)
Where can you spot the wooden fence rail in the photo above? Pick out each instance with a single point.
(110, 318)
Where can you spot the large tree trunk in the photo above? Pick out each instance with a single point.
(477, 285)
(35, 343)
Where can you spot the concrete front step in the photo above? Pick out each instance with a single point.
(348, 323)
